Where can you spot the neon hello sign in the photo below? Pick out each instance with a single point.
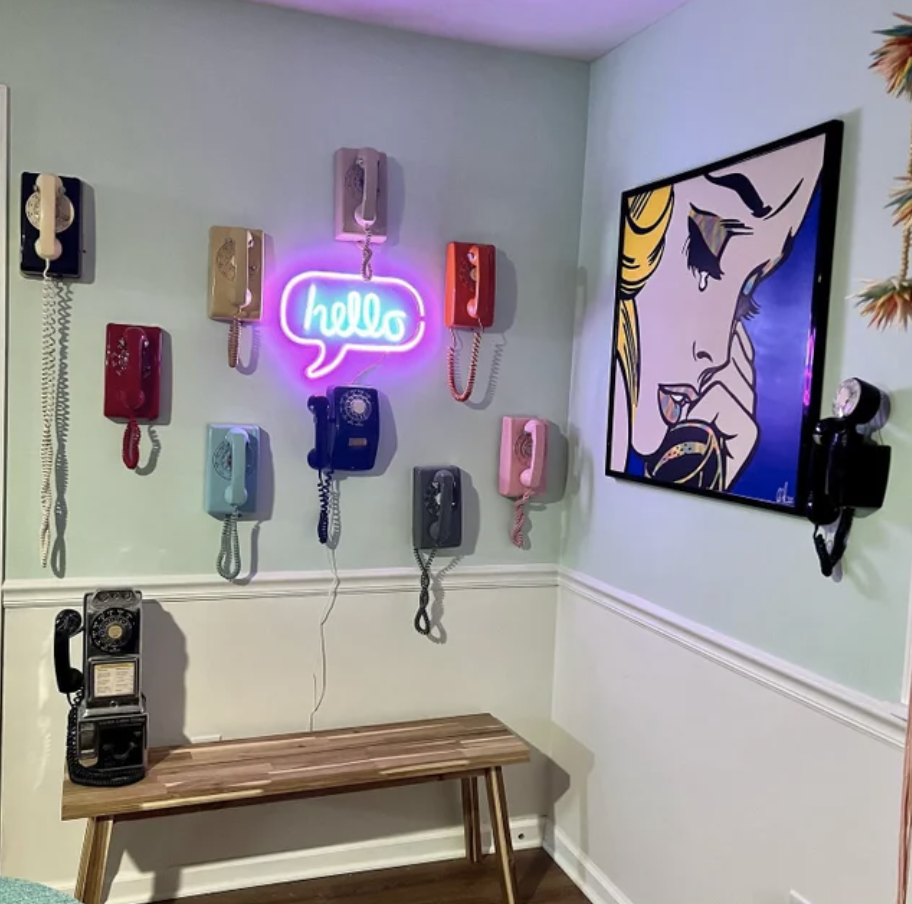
(338, 313)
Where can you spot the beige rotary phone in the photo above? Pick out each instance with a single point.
(235, 280)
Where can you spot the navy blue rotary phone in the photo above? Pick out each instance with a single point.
(346, 438)
(849, 471)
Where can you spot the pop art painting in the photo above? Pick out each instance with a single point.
(721, 305)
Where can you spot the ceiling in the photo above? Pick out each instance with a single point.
(582, 29)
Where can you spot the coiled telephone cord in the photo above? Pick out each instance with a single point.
(830, 558)
(78, 773)
(519, 519)
(367, 254)
(473, 367)
(51, 297)
(324, 488)
(228, 563)
(422, 616)
(131, 440)
(234, 342)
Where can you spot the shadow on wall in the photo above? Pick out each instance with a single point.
(841, 287)
(874, 530)
(164, 686)
(569, 769)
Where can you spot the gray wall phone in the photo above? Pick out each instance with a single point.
(437, 507)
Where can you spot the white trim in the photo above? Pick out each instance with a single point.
(587, 877)
(4, 303)
(293, 866)
(876, 718)
(48, 592)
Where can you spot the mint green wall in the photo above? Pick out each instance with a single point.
(181, 114)
(715, 78)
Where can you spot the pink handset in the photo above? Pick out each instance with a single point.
(523, 453)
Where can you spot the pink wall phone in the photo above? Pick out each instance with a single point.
(523, 455)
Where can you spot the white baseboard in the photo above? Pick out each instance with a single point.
(587, 877)
(293, 866)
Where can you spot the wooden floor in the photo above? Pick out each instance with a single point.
(453, 882)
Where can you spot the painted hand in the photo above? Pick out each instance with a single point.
(729, 402)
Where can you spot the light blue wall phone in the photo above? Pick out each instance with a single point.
(232, 460)
(232, 453)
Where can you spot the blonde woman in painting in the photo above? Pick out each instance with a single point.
(693, 255)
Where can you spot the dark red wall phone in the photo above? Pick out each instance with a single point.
(469, 303)
(132, 381)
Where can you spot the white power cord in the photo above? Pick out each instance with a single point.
(320, 695)
(50, 298)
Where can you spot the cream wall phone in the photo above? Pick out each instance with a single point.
(50, 248)
(51, 218)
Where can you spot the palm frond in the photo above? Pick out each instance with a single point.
(893, 59)
(887, 302)
(901, 202)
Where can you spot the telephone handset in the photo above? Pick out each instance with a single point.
(235, 280)
(848, 471)
(346, 438)
(468, 304)
(107, 725)
(132, 390)
(523, 455)
(361, 200)
(50, 248)
(436, 524)
(67, 625)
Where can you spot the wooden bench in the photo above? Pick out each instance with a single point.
(286, 767)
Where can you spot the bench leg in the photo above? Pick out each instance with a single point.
(90, 880)
(471, 820)
(500, 824)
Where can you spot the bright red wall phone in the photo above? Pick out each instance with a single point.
(469, 303)
(132, 390)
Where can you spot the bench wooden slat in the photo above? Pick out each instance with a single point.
(227, 772)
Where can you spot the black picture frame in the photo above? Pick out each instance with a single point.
(828, 187)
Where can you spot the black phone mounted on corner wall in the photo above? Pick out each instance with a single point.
(848, 470)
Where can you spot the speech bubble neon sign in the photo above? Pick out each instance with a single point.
(339, 313)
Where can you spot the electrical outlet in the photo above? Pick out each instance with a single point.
(795, 898)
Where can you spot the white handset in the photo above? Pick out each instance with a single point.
(49, 187)
(366, 212)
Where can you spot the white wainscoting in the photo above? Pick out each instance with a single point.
(632, 716)
(881, 719)
(238, 661)
(689, 783)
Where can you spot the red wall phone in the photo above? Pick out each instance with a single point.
(132, 390)
(469, 303)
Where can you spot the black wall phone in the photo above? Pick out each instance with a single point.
(849, 471)
(346, 438)
(107, 728)
(436, 524)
